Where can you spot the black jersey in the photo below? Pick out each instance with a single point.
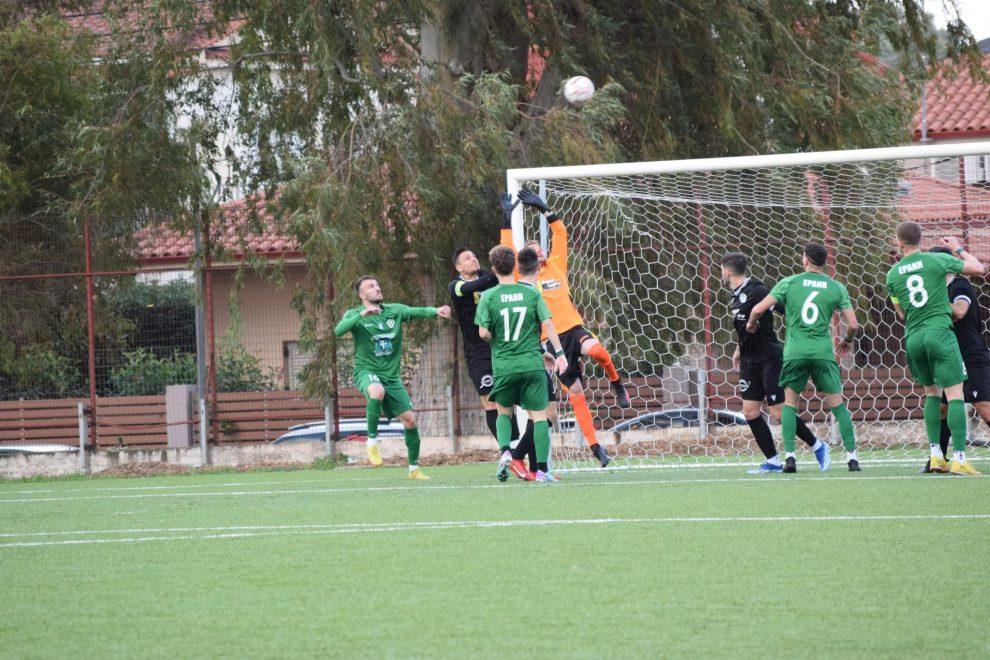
(465, 295)
(968, 329)
(762, 344)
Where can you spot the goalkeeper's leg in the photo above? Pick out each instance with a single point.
(592, 348)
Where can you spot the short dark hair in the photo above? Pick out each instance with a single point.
(529, 263)
(361, 280)
(816, 253)
(457, 254)
(941, 249)
(503, 259)
(909, 233)
(736, 262)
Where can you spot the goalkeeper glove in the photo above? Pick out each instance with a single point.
(507, 208)
(532, 199)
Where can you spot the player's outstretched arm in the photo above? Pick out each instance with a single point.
(463, 289)
(758, 311)
(971, 265)
(558, 233)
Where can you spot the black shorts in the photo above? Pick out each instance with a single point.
(759, 381)
(480, 370)
(977, 385)
(571, 341)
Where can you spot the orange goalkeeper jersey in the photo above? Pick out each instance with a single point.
(552, 280)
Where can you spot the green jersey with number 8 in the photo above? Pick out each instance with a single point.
(514, 314)
(809, 301)
(917, 284)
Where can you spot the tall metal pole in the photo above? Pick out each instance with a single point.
(200, 343)
(91, 323)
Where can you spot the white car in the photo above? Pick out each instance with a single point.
(357, 426)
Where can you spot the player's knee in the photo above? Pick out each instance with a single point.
(983, 410)
(502, 410)
(408, 419)
(834, 400)
(376, 392)
(575, 388)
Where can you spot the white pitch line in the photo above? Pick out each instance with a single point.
(358, 528)
(761, 479)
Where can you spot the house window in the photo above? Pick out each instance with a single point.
(295, 361)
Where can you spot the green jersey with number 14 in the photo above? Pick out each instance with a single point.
(917, 284)
(514, 314)
(809, 301)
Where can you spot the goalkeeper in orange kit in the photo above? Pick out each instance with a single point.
(576, 340)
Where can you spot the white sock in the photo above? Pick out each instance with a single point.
(774, 460)
(413, 467)
(817, 445)
(791, 454)
(937, 451)
(851, 456)
(372, 441)
(959, 456)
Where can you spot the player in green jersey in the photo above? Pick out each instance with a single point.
(376, 328)
(511, 317)
(810, 298)
(916, 286)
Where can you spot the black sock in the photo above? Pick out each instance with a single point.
(490, 417)
(805, 433)
(943, 439)
(515, 428)
(542, 466)
(525, 443)
(763, 436)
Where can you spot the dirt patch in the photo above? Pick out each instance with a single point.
(165, 469)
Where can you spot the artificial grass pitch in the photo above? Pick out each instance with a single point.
(363, 563)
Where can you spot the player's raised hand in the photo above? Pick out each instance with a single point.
(444, 312)
(561, 363)
(951, 242)
(374, 309)
(508, 206)
(530, 198)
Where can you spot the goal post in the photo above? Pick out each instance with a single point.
(645, 245)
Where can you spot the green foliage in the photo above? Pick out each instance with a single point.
(39, 373)
(239, 371)
(160, 317)
(144, 373)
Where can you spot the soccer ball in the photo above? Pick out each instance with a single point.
(578, 90)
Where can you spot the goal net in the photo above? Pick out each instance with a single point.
(645, 244)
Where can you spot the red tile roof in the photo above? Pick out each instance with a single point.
(233, 229)
(927, 199)
(959, 107)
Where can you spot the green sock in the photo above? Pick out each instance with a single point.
(933, 419)
(957, 424)
(541, 436)
(374, 412)
(846, 429)
(503, 430)
(412, 445)
(788, 427)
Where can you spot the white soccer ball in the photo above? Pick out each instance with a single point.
(578, 90)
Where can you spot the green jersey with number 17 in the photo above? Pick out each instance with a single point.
(514, 314)
(917, 284)
(809, 301)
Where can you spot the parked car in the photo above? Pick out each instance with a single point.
(663, 419)
(37, 449)
(357, 426)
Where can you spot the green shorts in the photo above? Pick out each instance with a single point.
(934, 358)
(528, 390)
(823, 373)
(396, 399)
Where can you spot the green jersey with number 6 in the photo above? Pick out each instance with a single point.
(514, 314)
(809, 301)
(917, 284)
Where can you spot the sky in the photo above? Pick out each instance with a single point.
(976, 14)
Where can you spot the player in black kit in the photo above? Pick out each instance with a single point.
(759, 358)
(967, 323)
(465, 291)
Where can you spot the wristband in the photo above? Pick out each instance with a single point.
(552, 217)
(959, 250)
(558, 353)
